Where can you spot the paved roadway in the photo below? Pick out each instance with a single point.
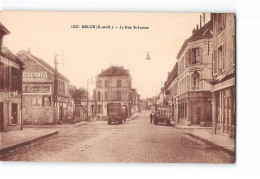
(133, 141)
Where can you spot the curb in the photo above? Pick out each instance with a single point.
(231, 152)
(133, 117)
(3, 150)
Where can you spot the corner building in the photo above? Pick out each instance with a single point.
(194, 96)
(45, 92)
(113, 85)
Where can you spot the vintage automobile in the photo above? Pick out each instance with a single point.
(162, 114)
(116, 113)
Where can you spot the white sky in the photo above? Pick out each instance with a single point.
(87, 51)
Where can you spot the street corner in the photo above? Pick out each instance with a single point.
(13, 139)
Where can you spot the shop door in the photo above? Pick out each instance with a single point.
(14, 113)
(196, 115)
(61, 113)
(1, 116)
(227, 115)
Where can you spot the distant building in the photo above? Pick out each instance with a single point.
(170, 87)
(11, 69)
(224, 60)
(134, 101)
(113, 85)
(194, 65)
(46, 98)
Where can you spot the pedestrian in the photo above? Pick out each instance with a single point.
(151, 116)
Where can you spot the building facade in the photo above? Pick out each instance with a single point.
(46, 97)
(10, 88)
(170, 87)
(195, 65)
(223, 84)
(113, 85)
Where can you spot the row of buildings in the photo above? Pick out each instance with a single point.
(33, 92)
(201, 86)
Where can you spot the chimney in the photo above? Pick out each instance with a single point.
(200, 21)
(193, 31)
(197, 27)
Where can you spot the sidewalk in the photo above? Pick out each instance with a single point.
(12, 139)
(205, 134)
(135, 115)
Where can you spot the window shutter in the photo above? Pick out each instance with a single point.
(214, 56)
(199, 55)
(201, 81)
(189, 56)
(224, 55)
(188, 82)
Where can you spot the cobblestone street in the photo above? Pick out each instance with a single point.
(133, 141)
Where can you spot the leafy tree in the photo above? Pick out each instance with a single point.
(77, 94)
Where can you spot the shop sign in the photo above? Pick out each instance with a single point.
(29, 88)
(9, 62)
(35, 75)
(9, 95)
(194, 94)
(224, 84)
(62, 99)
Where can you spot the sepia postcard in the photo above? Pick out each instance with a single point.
(127, 87)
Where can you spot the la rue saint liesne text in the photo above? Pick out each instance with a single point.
(108, 27)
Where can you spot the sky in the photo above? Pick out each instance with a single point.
(88, 51)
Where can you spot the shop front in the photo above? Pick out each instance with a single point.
(194, 108)
(10, 92)
(224, 107)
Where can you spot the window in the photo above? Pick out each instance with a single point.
(119, 95)
(195, 55)
(219, 22)
(16, 81)
(46, 101)
(99, 84)
(61, 87)
(118, 83)
(14, 113)
(98, 96)
(106, 95)
(106, 83)
(195, 83)
(221, 58)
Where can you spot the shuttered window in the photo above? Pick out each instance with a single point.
(2, 76)
(215, 64)
(188, 82)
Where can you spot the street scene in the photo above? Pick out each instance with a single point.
(101, 143)
(100, 87)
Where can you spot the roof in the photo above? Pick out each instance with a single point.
(4, 29)
(114, 71)
(45, 64)
(171, 76)
(5, 52)
(203, 32)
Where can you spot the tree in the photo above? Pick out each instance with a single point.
(77, 94)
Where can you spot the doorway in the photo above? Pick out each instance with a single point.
(14, 113)
(196, 115)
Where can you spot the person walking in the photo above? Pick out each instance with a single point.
(151, 116)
